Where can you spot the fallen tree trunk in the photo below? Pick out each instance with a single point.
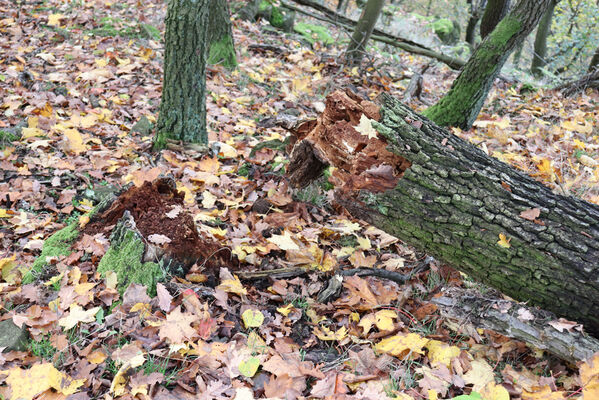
(538, 328)
(439, 193)
(377, 34)
(590, 80)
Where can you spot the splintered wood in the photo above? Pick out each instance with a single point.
(339, 138)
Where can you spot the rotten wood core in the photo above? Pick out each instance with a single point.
(332, 139)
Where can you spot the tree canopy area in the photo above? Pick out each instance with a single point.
(245, 199)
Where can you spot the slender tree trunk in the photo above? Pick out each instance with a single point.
(494, 12)
(183, 104)
(222, 47)
(539, 59)
(476, 8)
(518, 54)
(443, 195)
(594, 61)
(357, 45)
(463, 102)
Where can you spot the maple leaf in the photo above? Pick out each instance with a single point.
(327, 334)
(441, 352)
(284, 241)
(45, 377)
(76, 315)
(399, 345)
(177, 327)
(480, 375)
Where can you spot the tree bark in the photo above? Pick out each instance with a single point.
(357, 44)
(594, 64)
(494, 12)
(183, 104)
(441, 194)
(461, 105)
(222, 47)
(539, 59)
(475, 12)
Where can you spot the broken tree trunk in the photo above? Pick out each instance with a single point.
(439, 193)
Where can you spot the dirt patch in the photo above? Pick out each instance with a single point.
(149, 206)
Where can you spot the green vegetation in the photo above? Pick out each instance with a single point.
(124, 257)
(42, 349)
(314, 33)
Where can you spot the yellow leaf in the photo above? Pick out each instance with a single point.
(441, 352)
(76, 315)
(284, 241)
(364, 243)
(285, 310)
(83, 220)
(208, 199)
(252, 318)
(480, 375)
(31, 132)
(589, 376)
(504, 241)
(27, 384)
(491, 391)
(398, 344)
(8, 268)
(432, 394)
(97, 357)
(366, 323)
(232, 286)
(6, 213)
(144, 309)
(587, 161)
(384, 319)
(256, 343)
(54, 19)
(75, 143)
(327, 334)
(249, 367)
(543, 393)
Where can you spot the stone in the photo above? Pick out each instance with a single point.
(12, 337)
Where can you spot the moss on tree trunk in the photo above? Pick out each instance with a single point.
(222, 47)
(461, 105)
(183, 104)
(443, 195)
(494, 12)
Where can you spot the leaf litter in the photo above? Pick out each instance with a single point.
(75, 92)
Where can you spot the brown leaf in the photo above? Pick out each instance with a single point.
(531, 214)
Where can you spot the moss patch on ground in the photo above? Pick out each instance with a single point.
(314, 33)
(57, 245)
(222, 52)
(124, 258)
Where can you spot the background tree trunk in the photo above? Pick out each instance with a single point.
(494, 12)
(222, 47)
(463, 102)
(476, 8)
(183, 104)
(357, 45)
(594, 61)
(446, 197)
(539, 59)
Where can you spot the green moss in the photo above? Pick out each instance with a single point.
(124, 257)
(314, 33)
(504, 31)
(222, 52)
(442, 26)
(277, 19)
(57, 245)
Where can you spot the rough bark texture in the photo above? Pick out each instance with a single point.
(357, 44)
(183, 104)
(517, 321)
(461, 105)
(539, 59)
(222, 47)
(494, 12)
(443, 195)
(590, 80)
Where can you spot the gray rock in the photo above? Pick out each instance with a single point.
(12, 337)
(143, 126)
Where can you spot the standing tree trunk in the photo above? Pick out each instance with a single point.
(222, 48)
(463, 102)
(357, 45)
(594, 61)
(443, 195)
(540, 50)
(183, 104)
(475, 11)
(494, 12)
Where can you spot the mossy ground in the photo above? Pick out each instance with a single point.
(314, 33)
(124, 258)
(57, 245)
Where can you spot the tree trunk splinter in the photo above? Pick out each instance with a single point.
(443, 195)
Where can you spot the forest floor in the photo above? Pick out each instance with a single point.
(75, 81)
